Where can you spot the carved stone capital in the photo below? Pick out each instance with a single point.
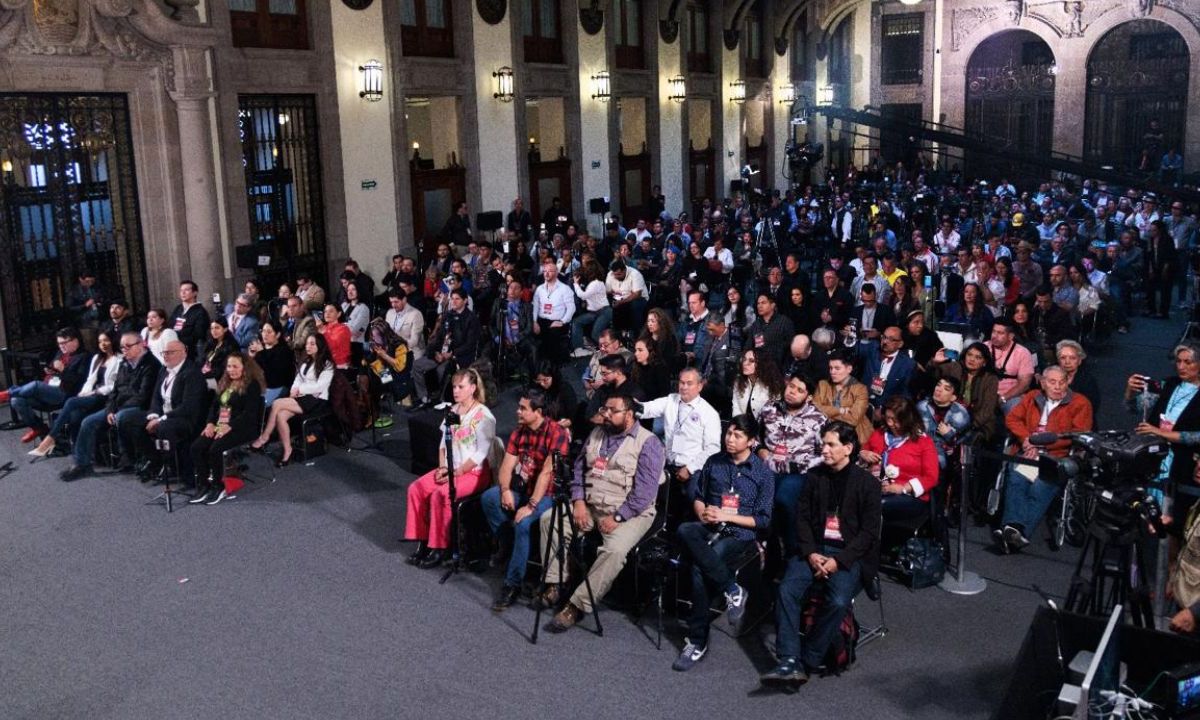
(731, 38)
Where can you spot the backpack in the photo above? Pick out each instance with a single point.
(841, 652)
(344, 402)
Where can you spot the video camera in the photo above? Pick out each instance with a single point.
(1114, 465)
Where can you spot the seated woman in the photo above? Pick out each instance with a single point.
(649, 370)
(310, 393)
(233, 420)
(907, 460)
(275, 358)
(428, 513)
(972, 312)
(975, 373)
(660, 331)
(758, 383)
(220, 346)
(357, 315)
(562, 402)
(337, 336)
(390, 368)
(156, 334)
(101, 378)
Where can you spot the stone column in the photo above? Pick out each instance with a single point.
(1070, 90)
(191, 92)
(671, 135)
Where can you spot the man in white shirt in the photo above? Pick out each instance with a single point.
(627, 288)
(639, 232)
(719, 252)
(407, 322)
(922, 252)
(691, 430)
(553, 308)
(883, 290)
(947, 239)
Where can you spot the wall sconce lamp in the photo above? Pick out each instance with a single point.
(504, 84)
(737, 91)
(601, 86)
(787, 94)
(825, 95)
(372, 81)
(677, 89)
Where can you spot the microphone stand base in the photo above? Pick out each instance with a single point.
(970, 584)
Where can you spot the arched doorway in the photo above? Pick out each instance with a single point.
(1137, 74)
(1010, 100)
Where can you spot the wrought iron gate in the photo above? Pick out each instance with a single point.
(69, 204)
(282, 159)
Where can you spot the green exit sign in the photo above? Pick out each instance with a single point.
(369, 184)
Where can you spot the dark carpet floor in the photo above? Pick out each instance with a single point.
(294, 601)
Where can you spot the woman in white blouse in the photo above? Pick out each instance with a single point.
(428, 519)
(101, 377)
(589, 287)
(310, 393)
(156, 334)
(758, 382)
(357, 315)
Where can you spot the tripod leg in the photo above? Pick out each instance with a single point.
(555, 518)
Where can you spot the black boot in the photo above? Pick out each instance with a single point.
(418, 555)
(204, 491)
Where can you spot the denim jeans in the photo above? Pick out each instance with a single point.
(787, 495)
(85, 439)
(583, 323)
(711, 571)
(499, 518)
(840, 589)
(29, 398)
(74, 410)
(1122, 300)
(1026, 502)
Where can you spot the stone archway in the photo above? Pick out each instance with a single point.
(1137, 74)
(1010, 83)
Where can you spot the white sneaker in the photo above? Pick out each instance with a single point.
(223, 496)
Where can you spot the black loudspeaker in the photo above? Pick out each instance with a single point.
(489, 221)
(598, 206)
(736, 186)
(426, 437)
(249, 256)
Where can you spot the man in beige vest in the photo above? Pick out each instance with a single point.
(622, 463)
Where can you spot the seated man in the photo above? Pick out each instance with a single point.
(837, 526)
(614, 378)
(1053, 409)
(553, 308)
(523, 487)
(610, 344)
(691, 432)
(176, 414)
(791, 444)
(131, 395)
(886, 371)
(946, 420)
(716, 360)
(623, 463)
(455, 339)
(731, 498)
(61, 379)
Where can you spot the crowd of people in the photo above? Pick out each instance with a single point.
(785, 375)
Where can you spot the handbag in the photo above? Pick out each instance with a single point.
(1186, 584)
(922, 560)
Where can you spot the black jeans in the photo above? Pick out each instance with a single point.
(206, 452)
(711, 571)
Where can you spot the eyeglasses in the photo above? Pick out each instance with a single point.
(129, 346)
(606, 410)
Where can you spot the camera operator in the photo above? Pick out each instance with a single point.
(1053, 409)
(1170, 410)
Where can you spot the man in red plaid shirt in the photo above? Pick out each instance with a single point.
(522, 491)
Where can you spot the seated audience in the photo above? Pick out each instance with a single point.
(156, 334)
(907, 461)
(454, 340)
(844, 398)
(176, 406)
(757, 384)
(101, 377)
(219, 347)
(978, 387)
(731, 503)
(337, 336)
(1054, 409)
(427, 516)
(62, 378)
(309, 394)
(389, 363)
(837, 526)
(946, 420)
(233, 420)
(649, 368)
(887, 371)
(524, 485)
(791, 444)
(623, 463)
(275, 359)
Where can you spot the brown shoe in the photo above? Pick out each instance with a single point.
(549, 597)
(565, 619)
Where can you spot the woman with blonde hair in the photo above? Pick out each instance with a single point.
(428, 509)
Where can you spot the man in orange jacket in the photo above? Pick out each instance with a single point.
(1053, 409)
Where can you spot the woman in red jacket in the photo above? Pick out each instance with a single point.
(907, 458)
(337, 336)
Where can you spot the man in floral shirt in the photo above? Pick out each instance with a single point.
(791, 444)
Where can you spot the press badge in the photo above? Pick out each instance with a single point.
(833, 528)
(877, 386)
(385, 377)
(1164, 424)
(547, 308)
(178, 324)
(600, 465)
(730, 502)
(690, 338)
(223, 416)
(759, 341)
(54, 381)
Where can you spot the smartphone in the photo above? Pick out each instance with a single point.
(928, 282)
(317, 315)
(217, 298)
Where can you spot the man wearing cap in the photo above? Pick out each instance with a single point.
(120, 320)
(1028, 272)
(1146, 213)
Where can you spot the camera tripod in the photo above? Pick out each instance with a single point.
(1129, 586)
(560, 515)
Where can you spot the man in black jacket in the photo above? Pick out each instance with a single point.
(130, 396)
(837, 526)
(176, 411)
(456, 338)
(189, 319)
